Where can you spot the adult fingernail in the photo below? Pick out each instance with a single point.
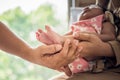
(76, 42)
(68, 41)
(80, 49)
(58, 47)
(78, 56)
(75, 34)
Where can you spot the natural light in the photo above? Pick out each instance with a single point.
(24, 17)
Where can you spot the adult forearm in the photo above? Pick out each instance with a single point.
(10, 43)
(41, 55)
(106, 37)
(108, 51)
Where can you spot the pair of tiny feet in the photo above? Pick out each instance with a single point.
(49, 37)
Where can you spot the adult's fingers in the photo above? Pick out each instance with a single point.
(60, 59)
(86, 37)
(50, 49)
(65, 49)
(73, 50)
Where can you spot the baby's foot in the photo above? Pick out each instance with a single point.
(53, 36)
(43, 37)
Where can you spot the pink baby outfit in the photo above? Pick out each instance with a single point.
(93, 25)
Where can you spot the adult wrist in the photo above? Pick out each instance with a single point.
(109, 52)
(26, 53)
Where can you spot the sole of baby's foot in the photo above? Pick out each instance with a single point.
(55, 37)
(42, 37)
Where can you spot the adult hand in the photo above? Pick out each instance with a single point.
(93, 46)
(52, 56)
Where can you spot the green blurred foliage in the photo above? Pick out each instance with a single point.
(25, 26)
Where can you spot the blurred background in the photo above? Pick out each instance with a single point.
(24, 17)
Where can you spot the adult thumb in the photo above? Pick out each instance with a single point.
(51, 49)
(86, 37)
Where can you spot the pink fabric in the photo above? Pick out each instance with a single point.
(93, 25)
(79, 65)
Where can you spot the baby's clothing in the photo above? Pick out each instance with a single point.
(93, 25)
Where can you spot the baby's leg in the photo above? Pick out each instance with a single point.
(53, 36)
(43, 37)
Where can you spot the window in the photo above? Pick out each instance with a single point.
(24, 17)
